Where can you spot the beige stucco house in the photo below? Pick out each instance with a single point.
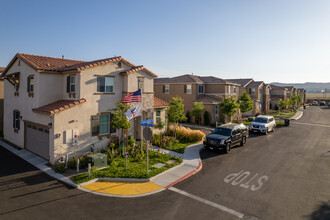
(57, 106)
(277, 93)
(192, 88)
(259, 94)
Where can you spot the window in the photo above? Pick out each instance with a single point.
(141, 83)
(200, 89)
(104, 124)
(234, 87)
(228, 91)
(158, 116)
(287, 92)
(71, 84)
(101, 124)
(16, 119)
(105, 84)
(166, 89)
(188, 89)
(253, 91)
(216, 109)
(30, 86)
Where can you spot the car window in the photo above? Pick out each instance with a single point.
(261, 120)
(222, 131)
(271, 119)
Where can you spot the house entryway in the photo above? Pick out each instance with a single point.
(37, 139)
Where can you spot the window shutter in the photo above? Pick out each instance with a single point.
(112, 129)
(68, 84)
(185, 89)
(95, 125)
(28, 84)
(14, 121)
(163, 88)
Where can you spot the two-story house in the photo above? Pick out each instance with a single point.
(57, 106)
(277, 93)
(302, 93)
(259, 93)
(192, 88)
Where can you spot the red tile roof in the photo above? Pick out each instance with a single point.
(43, 63)
(138, 68)
(160, 103)
(58, 106)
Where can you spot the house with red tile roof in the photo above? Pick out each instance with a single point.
(56, 107)
(192, 88)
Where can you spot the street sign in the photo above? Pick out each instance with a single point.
(147, 122)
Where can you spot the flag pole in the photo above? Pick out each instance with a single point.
(141, 120)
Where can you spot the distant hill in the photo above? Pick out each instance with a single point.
(310, 87)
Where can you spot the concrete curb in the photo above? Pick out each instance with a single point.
(298, 114)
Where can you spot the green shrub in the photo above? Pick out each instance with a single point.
(188, 116)
(59, 167)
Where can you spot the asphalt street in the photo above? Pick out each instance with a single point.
(284, 175)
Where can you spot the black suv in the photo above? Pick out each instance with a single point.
(226, 136)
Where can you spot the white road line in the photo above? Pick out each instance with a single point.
(320, 125)
(215, 205)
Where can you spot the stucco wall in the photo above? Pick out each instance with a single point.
(23, 103)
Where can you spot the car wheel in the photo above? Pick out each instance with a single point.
(266, 131)
(228, 147)
(243, 141)
(273, 128)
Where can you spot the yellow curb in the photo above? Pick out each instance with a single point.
(123, 188)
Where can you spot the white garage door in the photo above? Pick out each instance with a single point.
(37, 140)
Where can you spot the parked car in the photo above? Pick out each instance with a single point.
(263, 124)
(328, 103)
(315, 103)
(226, 136)
(322, 103)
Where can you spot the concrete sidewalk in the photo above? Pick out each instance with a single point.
(119, 187)
(298, 114)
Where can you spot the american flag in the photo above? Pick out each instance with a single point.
(132, 97)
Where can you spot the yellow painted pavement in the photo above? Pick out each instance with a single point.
(123, 188)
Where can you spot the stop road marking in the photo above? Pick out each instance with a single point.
(252, 183)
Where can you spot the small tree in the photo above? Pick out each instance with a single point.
(119, 119)
(229, 107)
(206, 118)
(245, 103)
(198, 108)
(175, 112)
(160, 125)
(283, 103)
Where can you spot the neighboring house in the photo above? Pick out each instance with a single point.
(291, 91)
(277, 93)
(259, 93)
(1, 100)
(55, 107)
(191, 88)
(302, 92)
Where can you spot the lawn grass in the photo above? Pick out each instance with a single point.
(282, 114)
(135, 169)
(181, 145)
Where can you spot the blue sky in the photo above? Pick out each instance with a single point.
(273, 41)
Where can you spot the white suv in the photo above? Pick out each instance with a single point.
(263, 123)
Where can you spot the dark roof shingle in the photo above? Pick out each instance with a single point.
(242, 82)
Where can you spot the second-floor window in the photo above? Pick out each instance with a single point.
(166, 89)
(234, 87)
(201, 89)
(188, 89)
(216, 110)
(30, 84)
(71, 84)
(105, 84)
(287, 92)
(252, 91)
